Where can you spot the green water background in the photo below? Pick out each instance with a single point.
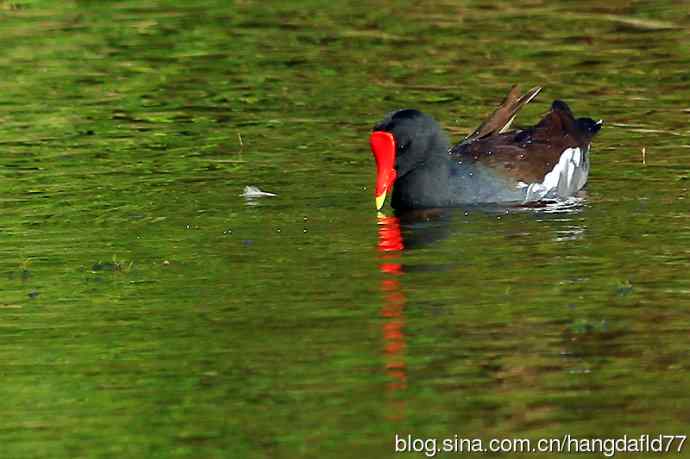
(148, 310)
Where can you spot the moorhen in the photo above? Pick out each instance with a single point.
(548, 161)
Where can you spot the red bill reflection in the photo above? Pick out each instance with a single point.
(390, 246)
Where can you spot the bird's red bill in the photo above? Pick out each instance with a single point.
(383, 148)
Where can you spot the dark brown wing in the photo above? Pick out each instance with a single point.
(530, 154)
(503, 116)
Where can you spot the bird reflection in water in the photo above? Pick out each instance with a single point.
(390, 246)
(421, 228)
(393, 312)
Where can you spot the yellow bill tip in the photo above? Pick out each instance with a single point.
(380, 200)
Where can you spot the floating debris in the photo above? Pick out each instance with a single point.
(625, 288)
(251, 192)
(115, 265)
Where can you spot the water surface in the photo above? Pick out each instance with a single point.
(148, 310)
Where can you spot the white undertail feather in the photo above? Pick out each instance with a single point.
(566, 178)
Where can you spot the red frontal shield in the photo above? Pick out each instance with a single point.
(383, 148)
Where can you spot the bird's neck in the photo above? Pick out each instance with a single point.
(427, 185)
